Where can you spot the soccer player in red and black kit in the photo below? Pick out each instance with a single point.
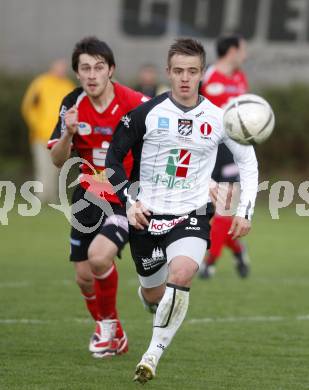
(87, 120)
(222, 82)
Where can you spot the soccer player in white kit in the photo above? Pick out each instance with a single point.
(174, 140)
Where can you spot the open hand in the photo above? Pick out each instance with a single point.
(240, 227)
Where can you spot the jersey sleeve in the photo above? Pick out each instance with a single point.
(245, 158)
(128, 136)
(135, 99)
(66, 104)
(225, 169)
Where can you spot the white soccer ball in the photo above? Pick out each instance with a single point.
(248, 119)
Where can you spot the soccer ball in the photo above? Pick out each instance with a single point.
(248, 119)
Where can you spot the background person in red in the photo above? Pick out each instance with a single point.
(222, 82)
(87, 120)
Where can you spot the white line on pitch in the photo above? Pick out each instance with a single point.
(191, 321)
(237, 319)
(21, 284)
(27, 283)
(27, 321)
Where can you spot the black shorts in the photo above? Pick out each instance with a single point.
(148, 246)
(108, 219)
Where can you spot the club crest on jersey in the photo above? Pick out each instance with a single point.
(205, 129)
(126, 120)
(84, 128)
(185, 127)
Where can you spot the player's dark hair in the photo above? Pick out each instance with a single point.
(188, 47)
(225, 42)
(94, 47)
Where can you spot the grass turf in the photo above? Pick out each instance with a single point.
(238, 334)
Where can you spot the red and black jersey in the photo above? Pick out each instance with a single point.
(220, 89)
(95, 131)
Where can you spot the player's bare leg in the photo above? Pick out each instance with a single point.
(85, 281)
(150, 297)
(169, 316)
(109, 338)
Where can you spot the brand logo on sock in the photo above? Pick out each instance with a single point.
(161, 346)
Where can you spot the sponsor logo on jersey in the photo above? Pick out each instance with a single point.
(215, 89)
(103, 130)
(162, 226)
(185, 127)
(176, 171)
(99, 154)
(84, 128)
(105, 145)
(172, 182)
(163, 123)
(206, 130)
(233, 89)
(126, 120)
(156, 258)
(178, 163)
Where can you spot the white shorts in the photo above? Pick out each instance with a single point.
(192, 247)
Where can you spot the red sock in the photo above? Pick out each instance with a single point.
(91, 303)
(234, 245)
(106, 290)
(210, 259)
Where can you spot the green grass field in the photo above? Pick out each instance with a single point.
(238, 334)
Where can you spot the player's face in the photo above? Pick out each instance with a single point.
(241, 54)
(185, 73)
(94, 74)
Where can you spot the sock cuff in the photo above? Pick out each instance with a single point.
(89, 296)
(106, 274)
(181, 288)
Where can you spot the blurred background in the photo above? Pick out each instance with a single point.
(249, 334)
(36, 32)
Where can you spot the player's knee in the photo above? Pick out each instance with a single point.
(180, 277)
(94, 258)
(153, 295)
(84, 283)
(99, 262)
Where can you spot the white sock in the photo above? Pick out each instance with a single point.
(169, 316)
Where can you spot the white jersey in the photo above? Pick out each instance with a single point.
(175, 152)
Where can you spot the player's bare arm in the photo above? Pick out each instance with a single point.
(61, 151)
(137, 215)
